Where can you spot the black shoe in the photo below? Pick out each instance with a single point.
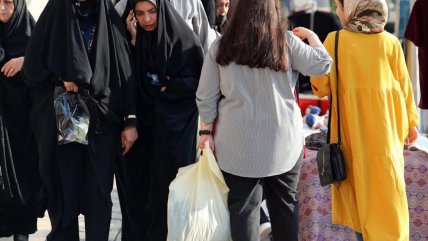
(20, 237)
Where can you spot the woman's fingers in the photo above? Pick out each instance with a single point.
(70, 86)
(205, 138)
(131, 21)
(12, 67)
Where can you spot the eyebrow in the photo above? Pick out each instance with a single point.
(151, 9)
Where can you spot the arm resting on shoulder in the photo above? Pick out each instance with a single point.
(312, 60)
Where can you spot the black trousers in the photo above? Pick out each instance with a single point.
(82, 193)
(245, 197)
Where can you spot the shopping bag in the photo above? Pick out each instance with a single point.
(197, 202)
(72, 117)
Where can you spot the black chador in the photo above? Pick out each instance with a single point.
(83, 42)
(20, 183)
(170, 56)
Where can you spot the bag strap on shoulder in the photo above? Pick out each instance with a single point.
(336, 61)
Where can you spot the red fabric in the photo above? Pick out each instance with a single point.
(417, 32)
(323, 104)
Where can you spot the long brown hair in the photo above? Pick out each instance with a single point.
(255, 36)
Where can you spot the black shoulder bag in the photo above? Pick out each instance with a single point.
(331, 164)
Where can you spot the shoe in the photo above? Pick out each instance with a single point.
(20, 237)
(265, 231)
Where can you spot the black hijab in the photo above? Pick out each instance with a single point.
(210, 10)
(57, 51)
(172, 49)
(14, 34)
(17, 148)
(129, 6)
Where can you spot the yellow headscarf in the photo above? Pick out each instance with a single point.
(366, 16)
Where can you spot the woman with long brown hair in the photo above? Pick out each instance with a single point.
(247, 85)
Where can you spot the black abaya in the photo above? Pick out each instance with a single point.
(18, 216)
(58, 51)
(167, 121)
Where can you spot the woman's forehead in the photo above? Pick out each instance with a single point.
(146, 4)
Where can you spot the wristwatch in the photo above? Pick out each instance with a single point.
(130, 121)
(205, 132)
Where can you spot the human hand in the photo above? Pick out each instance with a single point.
(131, 25)
(70, 86)
(303, 33)
(12, 67)
(205, 138)
(128, 136)
(163, 88)
(411, 137)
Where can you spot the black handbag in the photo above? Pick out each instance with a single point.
(331, 164)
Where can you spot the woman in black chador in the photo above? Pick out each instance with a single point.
(20, 182)
(81, 45)
(169, 59)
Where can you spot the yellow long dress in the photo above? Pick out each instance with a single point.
(376, 112)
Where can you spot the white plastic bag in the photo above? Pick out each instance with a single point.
(197, 202)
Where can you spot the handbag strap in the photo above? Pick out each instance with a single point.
(336, 46)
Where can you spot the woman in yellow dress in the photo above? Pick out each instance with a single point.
(378, 117)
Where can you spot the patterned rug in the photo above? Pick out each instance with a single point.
(315, 201)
